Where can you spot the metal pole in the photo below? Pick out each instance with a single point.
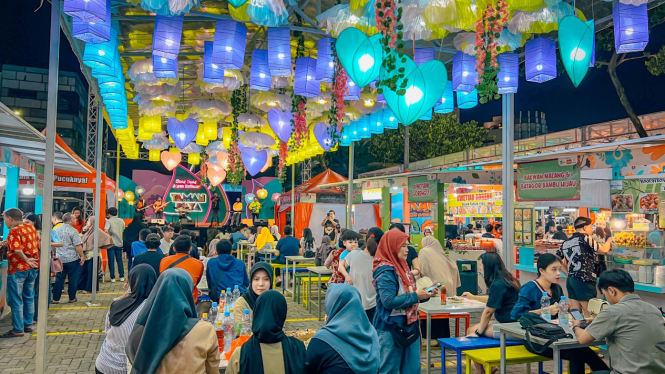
(508, 176)
(349, 199)
(406, 148)
(293, 197)
(47, 208)
(98, 200)
(117, 175)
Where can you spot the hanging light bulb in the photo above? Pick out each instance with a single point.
(28, 190)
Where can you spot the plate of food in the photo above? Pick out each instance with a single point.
(518, 214)
(526, 226)
(496, 209)
(455, 300)
(622, 203)
(453, 210)
(526, 214)
(518, 225)
(648, 203)
(518, 237)
(483, 209)
(527, 238)
(473, 209)
(463, 210)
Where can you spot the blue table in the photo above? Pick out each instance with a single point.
(466, 344)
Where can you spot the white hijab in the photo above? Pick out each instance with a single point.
(437, 266)
(274, 231)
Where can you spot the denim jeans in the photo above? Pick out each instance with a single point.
(21, 298)
(115, 253)
(70, 270)
(396, 360)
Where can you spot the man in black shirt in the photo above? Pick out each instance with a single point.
(329, 223)
(214, 209)
(559, 234)
(154, 256)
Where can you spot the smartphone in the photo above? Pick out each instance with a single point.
(578, 316)
(433, 287)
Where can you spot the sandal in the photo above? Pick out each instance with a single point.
(55, 302)
(9, 334)
(73, 301)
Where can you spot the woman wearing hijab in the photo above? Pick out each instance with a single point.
(348, 342)
(324, 250)
(260, 281)
(397, 306)
(436, 265)
(269, 350)
(131, 235)
(168, 336)
(264, 239)
(274, 231)
(120, 320)
(88, 242)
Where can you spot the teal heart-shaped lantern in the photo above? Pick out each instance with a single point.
(359, 55)
(237, 3)
(425, 86)
(576, 46)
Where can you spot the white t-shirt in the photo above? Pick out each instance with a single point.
(165, 246)
(360, 269)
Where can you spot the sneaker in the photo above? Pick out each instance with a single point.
(122, 279)
(113, 280)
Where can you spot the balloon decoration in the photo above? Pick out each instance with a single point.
(140, 190)
(280, 123)
(575, 44)
(171, 160)
(323, 136)
(275, 197)
(120, 195)
(129, 196)
(249, 198)
(262, 193)
(216, 176)
(360, 55)
(253, 160)
(182, 132)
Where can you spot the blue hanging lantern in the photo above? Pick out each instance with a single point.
(162, 67)
(102, 57)
(423, 55)
(354, 134)
(86, 10)
(305, 82)
(212, 73)
(345, 137)
(509, 72)
(540, 60)
(93, 32)
(631, 27)
(427, 116)
(592, 63)
(325, 62)
(465, 76)
(447, 103)
(229, 44)
(166, 39)
(363, 127)
(376, 123)
(279, 51)
(353, 91)
(259, 76)
(467, 100)
(389, 120)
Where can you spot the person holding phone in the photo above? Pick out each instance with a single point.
(329, 224)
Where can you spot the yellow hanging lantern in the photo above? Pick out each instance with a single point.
(194, 158)
(153, 155)
(210, 130)
(226, 137)
(173, 151)
(201, 138)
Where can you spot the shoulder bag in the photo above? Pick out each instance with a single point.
(536, 326)
(403, 334)
(56, 264)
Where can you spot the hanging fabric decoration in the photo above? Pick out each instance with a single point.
(279, 51)
(508, 76)
(167, 36)
(212, 73)
(575, 44)
(169, 7)
(446, 104)
(359, 55)
(182, 132)
(631, 27)
(229, 44)
(237, 3)
(269, 13)
(259, 76)
(93, 31)
(467, 100)
(325, 60)
(86, 10)
(540, 60)
(305, 82)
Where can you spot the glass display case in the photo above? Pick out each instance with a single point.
(640, 253)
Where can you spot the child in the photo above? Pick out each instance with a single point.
(350, 243)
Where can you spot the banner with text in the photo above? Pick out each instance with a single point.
(423, 189)
(476, 204)
(39, 180)
(636, 195)
(549, 180)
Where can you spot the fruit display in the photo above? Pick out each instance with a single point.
(630, 239)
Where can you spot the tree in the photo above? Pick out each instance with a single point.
(441, 135)
(655, 64)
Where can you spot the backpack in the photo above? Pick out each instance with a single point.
(536, 326)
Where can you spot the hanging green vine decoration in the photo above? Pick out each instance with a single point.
(388, 19)
(337, 107)
(237, 171)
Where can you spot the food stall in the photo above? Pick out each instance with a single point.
(471, 203)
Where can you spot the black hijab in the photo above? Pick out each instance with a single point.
(131, 233)
(267, 326)
(250, 296)
(142, 278)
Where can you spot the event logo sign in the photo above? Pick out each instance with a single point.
(636, 195)
(423, 189)
(187, 193)
(549, 180)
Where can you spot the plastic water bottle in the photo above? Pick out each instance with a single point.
(236, 294)
(219, 330)
(204, 317)
(223, 302)
(246, 327)
(563, 313)
(545, 307)
(229, 334)
(212, 315)
(229, 299)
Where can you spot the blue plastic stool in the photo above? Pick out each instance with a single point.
(466, 344)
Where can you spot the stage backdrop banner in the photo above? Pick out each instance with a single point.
(186, 191)
(423, 189)
(549, 180)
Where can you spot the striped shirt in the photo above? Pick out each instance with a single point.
(112, 358)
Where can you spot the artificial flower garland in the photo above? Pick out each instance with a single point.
(488, 31)
(388, 22)
(281, 166)
(339, 90)
(298, 104)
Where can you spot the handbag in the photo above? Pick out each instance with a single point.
(404, 335)
(536, 326)
(56, 264)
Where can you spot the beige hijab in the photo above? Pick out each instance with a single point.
(437, 266)
(88, 238)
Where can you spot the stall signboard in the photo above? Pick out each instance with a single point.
(548, 180)
(373, 194)
(661, 209)
(423, 189)
(525, 225)
(357, 195)
(636, 195)
(476, 204)
(422, 216)
(39, 180)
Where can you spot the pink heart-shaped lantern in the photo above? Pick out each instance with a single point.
(216, 176)
(170, 160)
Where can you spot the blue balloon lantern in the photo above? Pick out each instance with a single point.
(427, 116)
(509, 72)
(423, 55)
(86, 10)
(162, 67)
(212, 73)
(389, 120)
(540, 60)
(249, 198)
(166, 39)
(345, 137)
(229, 44)
(465, 76)
(279, 51)
(353, 91)
(325, 64)
(631, 27)
(467, 100)
(362, 126)
(354, 134)
(376, 123)
(447, 102)
(101, 57)
(305, 82)
(259, 76)
(93, 32)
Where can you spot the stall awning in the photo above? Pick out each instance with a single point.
(20, 137)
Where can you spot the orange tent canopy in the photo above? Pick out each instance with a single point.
(312, 185)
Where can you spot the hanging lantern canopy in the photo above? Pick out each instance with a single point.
(354, 134)
(153, 154)
(389, 120)
(212, 73)
(345, 138)
(226, 137)
(465, 76)
(305, 82)
(166, 39)
(279, 51)
(194, 158)
(446, 104)
(353, 91)
(201, 138)
(509, 72)
(325, 65)
(540, 60)
(259, 77)
(376, 123)
(631, 27)
(362, 126)
(101, 57)
(575, 44)
(86, 10)
(467, 100)
(427, 116)
(93, 32)
(210, 130)
(229, 44)
(423, 55)
(170, 158)
(162, 67)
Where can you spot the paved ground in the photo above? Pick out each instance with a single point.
(75, 335)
